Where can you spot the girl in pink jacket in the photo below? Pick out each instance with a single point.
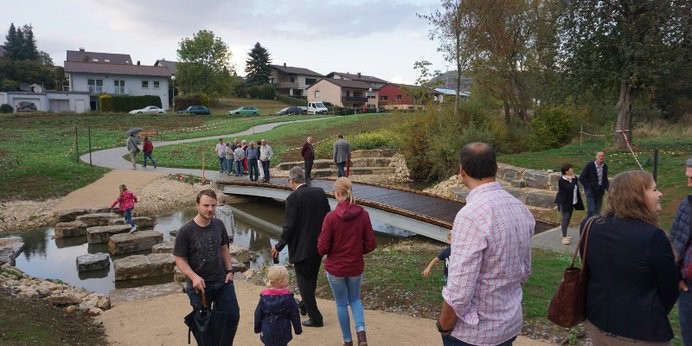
(127, 202)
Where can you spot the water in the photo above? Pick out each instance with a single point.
(48, 258)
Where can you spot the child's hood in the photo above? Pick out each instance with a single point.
(277, 302)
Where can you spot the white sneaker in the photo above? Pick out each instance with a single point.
(124, 220)
(566, 241)
(133, 229)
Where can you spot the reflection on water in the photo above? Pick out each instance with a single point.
(48, 258)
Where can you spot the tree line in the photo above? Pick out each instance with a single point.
(22, 62)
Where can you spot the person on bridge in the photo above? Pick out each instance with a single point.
(244, 146)
(252, 158)
(228, 162)
(306, 207)
(308, 153)
(220, 150)
(491, 258)
(148, 150)
(594, 178)
(201, 253)
(238, 157)
(265, 157)
(342, 153)
(346, 236)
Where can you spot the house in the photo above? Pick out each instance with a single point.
(343, 93)
(397, 96)
(46, 101)
(170, 65)
(374, 82)
(449, 93)
(97, 73)
(292, 81)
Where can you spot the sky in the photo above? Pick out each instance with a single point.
(381, 38)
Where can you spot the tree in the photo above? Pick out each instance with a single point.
(22, 62)
(204, 65)
(624, 48)
(257, 66)
(423, 93)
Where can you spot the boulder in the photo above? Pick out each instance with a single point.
(9, 249)
(133, 242)
(70, 229)
(238, 266)
(28, 293)
(554, 178)
(242, 254)
(165, 247)
(519, 193)
(537, 179)
(71, 214)
(541, 199)
(91, 262)
(97, 219)
(64, 299)
(141, 266)
(518, 183)
(102, 234)
(94, 311)
(140, 221)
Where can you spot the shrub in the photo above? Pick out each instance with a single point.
(291, 100)
(184, 101)
(262, 91)
(551, 128)
(105, 103)
(383, 138)
(5, 108)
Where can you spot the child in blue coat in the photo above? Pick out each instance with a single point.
(277, 310)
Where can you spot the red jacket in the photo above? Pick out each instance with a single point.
(148, 147)
(126, 200)
(346, 236)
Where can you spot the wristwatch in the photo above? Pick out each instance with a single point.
(230, 270)
(442, 331)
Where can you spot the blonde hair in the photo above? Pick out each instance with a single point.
(626, 197)
(344, 186)
(277, 277)
(122, 187)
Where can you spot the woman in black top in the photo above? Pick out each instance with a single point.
(568, 198)
(632, 278)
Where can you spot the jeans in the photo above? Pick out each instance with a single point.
(346, 292)
(238, 168)
(448, 340)
(594, 201)
(224, 299)
(228, 165)
(151, 157)
(340, 169)
(265, 169)
(253, 170)
(222, 161)
(308, 169)
(685, 314)
(566, 216)
(127, 214)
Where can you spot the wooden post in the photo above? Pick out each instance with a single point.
(203, 156)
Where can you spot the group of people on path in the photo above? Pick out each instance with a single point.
(132, 144)
(244, 158)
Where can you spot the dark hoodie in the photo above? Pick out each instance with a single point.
(346, 236)
(275, 312)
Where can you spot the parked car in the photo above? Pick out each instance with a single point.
(291, 111)
(26, 106)
(148, 110)
(245, 110)
(317, 108)
(199, 110)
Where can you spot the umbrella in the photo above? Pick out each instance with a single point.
(134, 131)
(208, 326)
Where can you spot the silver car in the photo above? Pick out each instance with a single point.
(148, 110)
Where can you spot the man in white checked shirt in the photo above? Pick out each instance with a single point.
(491, 258)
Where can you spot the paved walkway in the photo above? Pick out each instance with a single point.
(551, 240)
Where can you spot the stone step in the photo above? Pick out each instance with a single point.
(92, 262)
(140, 221)
(133, 242)
(143, 266)
(71, 214)
(372, 153)
(165, 247)
(122, 295)
(537, 198)
(70, 229)
(97, 219)
(102, 234)
(325, 163)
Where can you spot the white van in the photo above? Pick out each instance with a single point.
(317, 108)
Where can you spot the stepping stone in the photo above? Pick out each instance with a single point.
(541, 199)
(101, 234)
(133, 242)
(140, 221)
(9, 249)
(141, 266)
(71, 215)
(70, 229)
(165, 247)
(97, 219)
(91, 262)
(121, 295)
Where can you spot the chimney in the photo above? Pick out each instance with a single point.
(358, 74)
(137, 62)
(284, 64)
(81, 49)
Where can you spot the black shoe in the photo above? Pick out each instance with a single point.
(311, 323)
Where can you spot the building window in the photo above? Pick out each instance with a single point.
(145, 84)
(398, 97)
(310, 81)
(293, 79)
(95, 86)
(383, 98)
(156, 84)
(119, 86)
(317, 94)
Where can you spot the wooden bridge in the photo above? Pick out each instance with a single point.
(414, 211)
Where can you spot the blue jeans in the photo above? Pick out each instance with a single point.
(238, 168)
(448, 340)
(685, 314)
(228, 166)
(253, 170)
(151, 157)
(340, 169)
(127, 214)
(222, 295)
(346, 292)
(222, 161)
(594, 201)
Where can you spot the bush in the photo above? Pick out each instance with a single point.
(291, 100)
(383, 138)
(551, 128)
(184, 101)
(262, 91)
(124, 104)
(5, 108)
(105, 103)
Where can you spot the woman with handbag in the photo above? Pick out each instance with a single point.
(568, 198)
(632, 278)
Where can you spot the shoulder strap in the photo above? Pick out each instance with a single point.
(584, 235)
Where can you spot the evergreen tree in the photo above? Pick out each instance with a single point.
(29, 50)
(257, 66)
(12, 42)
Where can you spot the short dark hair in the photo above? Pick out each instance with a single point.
(565, 167)
(208, 193)
(478, 160)
(339, 135)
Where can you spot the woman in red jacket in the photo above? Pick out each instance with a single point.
(346, 236)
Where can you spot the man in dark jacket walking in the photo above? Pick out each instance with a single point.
(680, 235)
(594, 177)
(308, 153)
(306, 207)
(342, 153)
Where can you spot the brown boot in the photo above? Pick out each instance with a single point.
(348, 343)
(362, 339)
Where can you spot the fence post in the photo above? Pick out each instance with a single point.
(655, 164)
(89, 131)
(76, 145)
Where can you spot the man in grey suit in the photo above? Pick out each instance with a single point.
(341, 154)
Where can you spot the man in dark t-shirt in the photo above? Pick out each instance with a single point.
(201, 253)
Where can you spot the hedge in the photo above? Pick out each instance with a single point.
(106, 103)
(291, 100)
(6, 108)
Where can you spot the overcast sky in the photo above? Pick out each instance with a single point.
(382, 38)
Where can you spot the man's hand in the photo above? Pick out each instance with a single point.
(229, 277)
(198, 283)
(275, 252)
(682, 285)
(426, 272)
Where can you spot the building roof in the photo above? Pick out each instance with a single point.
(101, 58)
(125, 69)
(345, 83)
(357, 77)
(295, 70)
(170, 65)
(452, 92)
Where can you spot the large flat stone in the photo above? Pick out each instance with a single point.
(554, 179)
(102, 234)
(70, 229)
(537, 179)
(91, 262)
(165, 247)
(541, 199)
(141, 266)
(140, 221)
(9, 249)
(133, 242)
(71, 215)
(97, 219)
(122, 295)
